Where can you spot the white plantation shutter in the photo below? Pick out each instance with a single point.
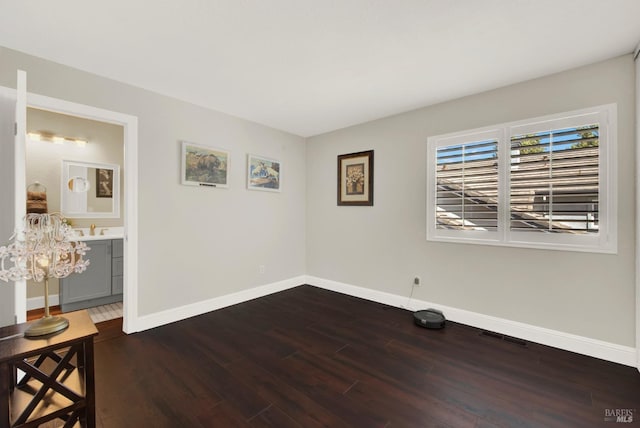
(554, 183)
(467, 186)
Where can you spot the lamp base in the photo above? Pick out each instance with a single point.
(46, 325)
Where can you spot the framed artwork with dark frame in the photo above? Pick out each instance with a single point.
(355, 178)
(104, 183)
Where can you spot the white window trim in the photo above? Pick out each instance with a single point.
(605, 241)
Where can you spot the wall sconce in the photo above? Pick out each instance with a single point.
(55, 139)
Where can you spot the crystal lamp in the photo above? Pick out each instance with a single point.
(44, 248)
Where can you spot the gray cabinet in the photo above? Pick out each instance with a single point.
(100, 284)
(116, 266)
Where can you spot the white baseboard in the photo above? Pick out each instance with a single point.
(157, 319)
(38, 302)
(570, 342)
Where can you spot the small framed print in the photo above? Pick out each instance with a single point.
(355, 178)
(104, 183)
(263, 173)
(204, 166)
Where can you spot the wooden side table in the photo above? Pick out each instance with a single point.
(58, 381)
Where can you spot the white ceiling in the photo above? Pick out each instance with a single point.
(313, 66)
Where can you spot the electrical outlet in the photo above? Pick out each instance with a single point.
(416, 281)
(261, 269)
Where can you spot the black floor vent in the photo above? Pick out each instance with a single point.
(506, 338)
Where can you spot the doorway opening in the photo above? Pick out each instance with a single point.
(59, 146)
(57, 118)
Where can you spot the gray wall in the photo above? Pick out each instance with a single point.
(383, 247)
(7, 206)
(194, 243)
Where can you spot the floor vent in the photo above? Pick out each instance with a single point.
(506, 338)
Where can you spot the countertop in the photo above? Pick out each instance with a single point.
(100, 233)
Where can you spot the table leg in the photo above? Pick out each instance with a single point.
(6, 380)
(90, 393)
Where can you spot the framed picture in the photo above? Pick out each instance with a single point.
(204, 166)
(104, 183)
(263, 173)
(355, 178)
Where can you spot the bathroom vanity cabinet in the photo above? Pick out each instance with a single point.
(100, 284)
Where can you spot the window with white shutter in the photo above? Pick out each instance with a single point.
(467, 186)
(545, 183)
(554, 181)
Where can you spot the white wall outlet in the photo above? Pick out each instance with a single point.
(260, 268)
(416, 281)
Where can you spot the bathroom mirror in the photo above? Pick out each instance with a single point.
(90, 190)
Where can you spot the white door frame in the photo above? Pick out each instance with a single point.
(20, 198)
(636, 57)
(130, 125)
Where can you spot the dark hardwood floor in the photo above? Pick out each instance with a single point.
(308, 357)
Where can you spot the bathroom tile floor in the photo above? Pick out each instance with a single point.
(106, 312)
